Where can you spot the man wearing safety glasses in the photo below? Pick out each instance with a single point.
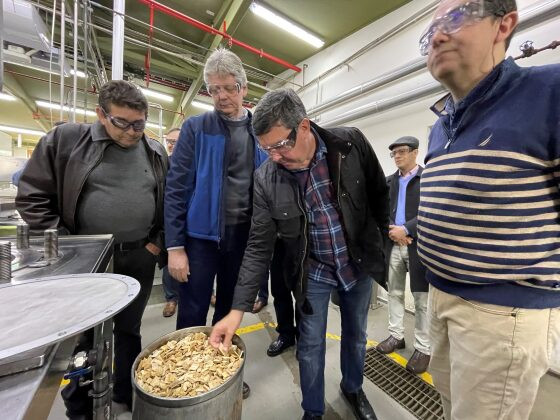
(101, 178)
(488, 221)
(323, 196)
(209, 194)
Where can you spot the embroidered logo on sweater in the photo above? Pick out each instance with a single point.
(486, 141)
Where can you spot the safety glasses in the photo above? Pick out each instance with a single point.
(455, 19)
(121, 123)
(282, 145)
(215, 90)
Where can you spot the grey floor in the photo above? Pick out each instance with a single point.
(274, 381)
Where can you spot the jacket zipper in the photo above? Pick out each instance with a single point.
(451, 137)
(300, 205)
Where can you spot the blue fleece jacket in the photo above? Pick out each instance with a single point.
(195, 182)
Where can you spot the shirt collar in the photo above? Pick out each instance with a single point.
(321, 150)
(411, 173)
(241, 118)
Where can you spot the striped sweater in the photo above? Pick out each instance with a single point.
(489, 215)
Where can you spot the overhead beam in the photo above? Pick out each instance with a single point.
(12, 84)
(137, 58)
(230, 15)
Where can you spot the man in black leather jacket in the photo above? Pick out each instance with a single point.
(101, 178)
(323, 194)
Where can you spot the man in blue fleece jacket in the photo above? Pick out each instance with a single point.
(488, 221)
(208, 196)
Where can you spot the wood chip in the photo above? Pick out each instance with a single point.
(187, 368)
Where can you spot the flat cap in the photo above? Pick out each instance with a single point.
(410, 141)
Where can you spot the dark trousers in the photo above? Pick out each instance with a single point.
(208, 259)
(169, 285)
(283, 302)
(263, 291)
(138, 264)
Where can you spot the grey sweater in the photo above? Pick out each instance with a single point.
(119, 195)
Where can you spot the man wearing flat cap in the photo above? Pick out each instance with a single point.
(402, 256)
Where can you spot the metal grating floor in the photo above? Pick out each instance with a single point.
(410, 391)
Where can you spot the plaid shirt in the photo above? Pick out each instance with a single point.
(329, 261)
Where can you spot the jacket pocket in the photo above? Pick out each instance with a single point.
(288, 219)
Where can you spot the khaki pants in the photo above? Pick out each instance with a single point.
(487, 360)
(398, 267)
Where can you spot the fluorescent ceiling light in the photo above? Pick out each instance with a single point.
(157, 95)
(202, 105)
(21, 130)
(79, 73)
(153, 125)
(66, 108)
(46, 70)
(7, 97)
(286, 25)
(29, 66)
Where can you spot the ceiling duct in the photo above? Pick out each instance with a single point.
(26, 38)
(24, 26)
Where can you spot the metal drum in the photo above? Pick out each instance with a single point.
(221, 403)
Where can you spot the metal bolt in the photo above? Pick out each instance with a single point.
(51, 244)
(5, 262)
(22, 236)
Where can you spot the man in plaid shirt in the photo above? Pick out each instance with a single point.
(323, 194)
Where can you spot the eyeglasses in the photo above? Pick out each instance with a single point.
(170, 142)
(455, 19)
(215, 90)
(400, 152)
(123, 124)
(282, 145)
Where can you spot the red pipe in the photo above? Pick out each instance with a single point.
(148, 58)
(172, 12)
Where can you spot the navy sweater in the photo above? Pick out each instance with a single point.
(489, 216)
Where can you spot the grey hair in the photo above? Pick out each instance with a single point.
(223, 62)
(279, 107)
(173, 130)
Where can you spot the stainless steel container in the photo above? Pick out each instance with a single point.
(221, 403)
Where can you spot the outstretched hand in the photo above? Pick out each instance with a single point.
(223, 331)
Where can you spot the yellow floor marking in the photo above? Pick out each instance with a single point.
(395, 356)
(262, 325)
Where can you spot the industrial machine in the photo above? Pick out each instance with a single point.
(44, 307)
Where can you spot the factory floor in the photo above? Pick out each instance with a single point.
(275, 393)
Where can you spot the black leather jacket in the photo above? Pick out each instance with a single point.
(278, 214)
(51, 183)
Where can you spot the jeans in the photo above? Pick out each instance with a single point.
(311, 345)
(398, 267)
(208, 259)
(169, 286)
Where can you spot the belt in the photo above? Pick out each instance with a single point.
(129, 246)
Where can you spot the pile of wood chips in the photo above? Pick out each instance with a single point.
(187, 368)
